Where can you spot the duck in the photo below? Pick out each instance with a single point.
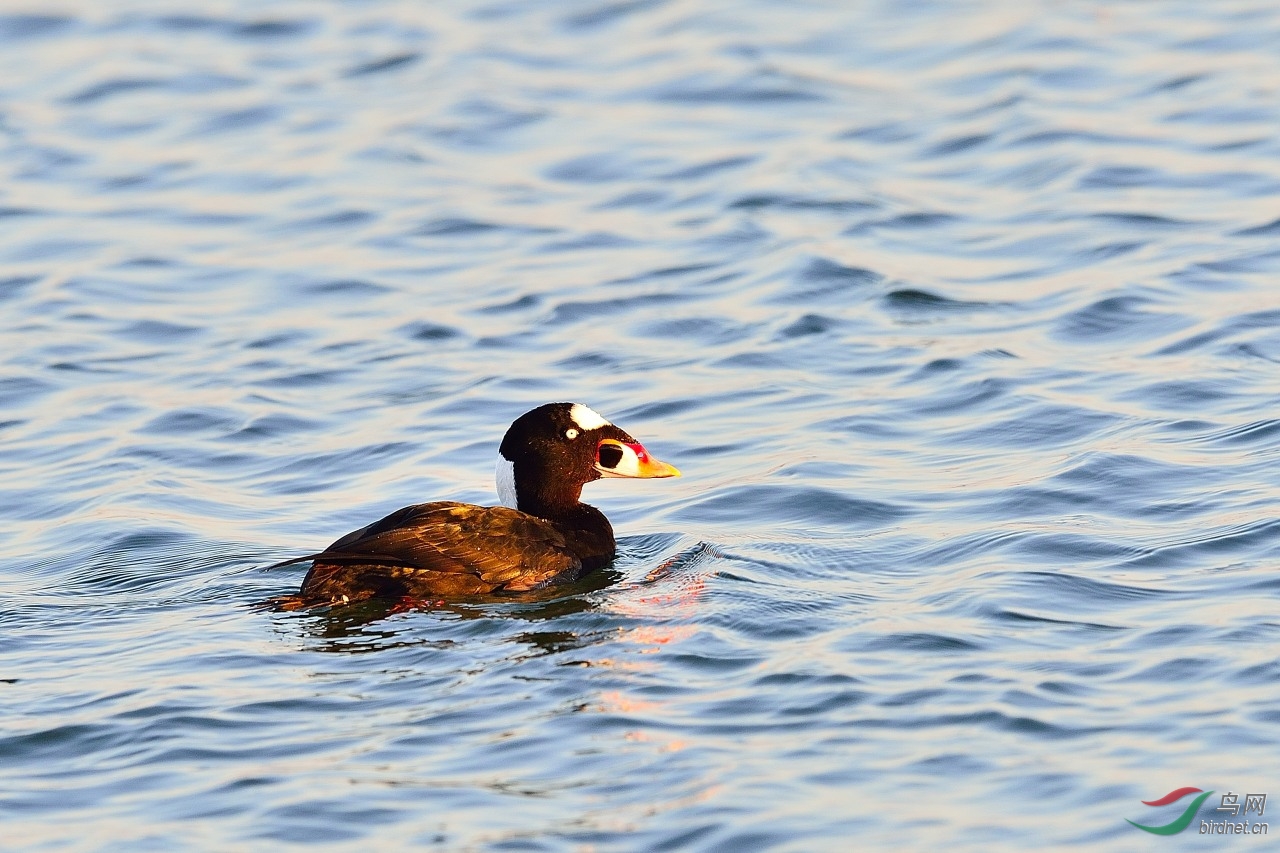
(540, 535)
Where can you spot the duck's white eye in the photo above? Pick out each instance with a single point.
(571, 433)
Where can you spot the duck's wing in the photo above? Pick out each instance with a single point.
(499, 546)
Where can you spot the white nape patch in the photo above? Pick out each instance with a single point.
(506, 479)
(586, 418)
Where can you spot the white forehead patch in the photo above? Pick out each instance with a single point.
(506, 478)
(586, 418)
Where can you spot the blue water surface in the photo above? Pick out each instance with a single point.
(960, 318)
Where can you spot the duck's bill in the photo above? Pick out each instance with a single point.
(621, 459)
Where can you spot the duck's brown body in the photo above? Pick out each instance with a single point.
(451, 550)
(543, 534)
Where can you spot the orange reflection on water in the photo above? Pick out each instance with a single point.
(682, 599)
(664, 745)
(655, 636)
(617, 702)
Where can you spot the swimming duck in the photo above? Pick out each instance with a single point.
(540, 535)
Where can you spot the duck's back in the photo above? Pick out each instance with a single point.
(451, 549)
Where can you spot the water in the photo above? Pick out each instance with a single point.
(960, 319)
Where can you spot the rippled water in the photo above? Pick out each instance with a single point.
(961, 320)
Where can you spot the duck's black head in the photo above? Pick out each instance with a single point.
(550, 453)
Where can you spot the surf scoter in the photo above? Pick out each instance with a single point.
(541, 534)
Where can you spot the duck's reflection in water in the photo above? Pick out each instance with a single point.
(370, 625)
(670, 587)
